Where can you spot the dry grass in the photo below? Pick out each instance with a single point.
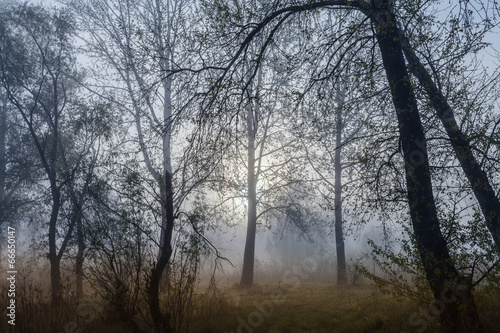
(309, 308)
(268, 308)
(325, 308)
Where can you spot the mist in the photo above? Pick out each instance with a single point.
(249, 166)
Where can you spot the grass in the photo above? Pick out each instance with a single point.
(270, 308)
(309, 308)
(325, 308)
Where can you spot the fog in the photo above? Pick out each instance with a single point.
(249, 166)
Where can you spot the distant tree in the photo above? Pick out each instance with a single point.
(275, 186)
(324, 159)
(261, 168)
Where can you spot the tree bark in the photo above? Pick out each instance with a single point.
(483, 191)
(160, 320)
(55, 273)
(459, 313)
(339, 234)
(165, 51)
(249, 254)
(79, 256)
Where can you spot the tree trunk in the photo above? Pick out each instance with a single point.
(79, 256)
(160, 320)
(339, 234)
(483, 191)
(249, 254)
(55, 281)
(55, 272)
(459, 313)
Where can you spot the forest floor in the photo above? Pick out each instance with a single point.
(326, 308)
(267, 308)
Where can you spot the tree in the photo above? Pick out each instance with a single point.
(339, 234)
(276, 186)
(460, 314)
(261, 164)
(38, 64)
(483, 190)
(430, 241)
(91, 132)
(142, 44)
(119, 240)
(35, 94)
(336, 113)
(335, 117)
(18, 167)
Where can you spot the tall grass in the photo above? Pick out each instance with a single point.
(299, 308)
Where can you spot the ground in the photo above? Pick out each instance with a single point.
(267, 308)
(327, 308)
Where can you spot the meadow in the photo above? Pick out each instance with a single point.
(272, 308)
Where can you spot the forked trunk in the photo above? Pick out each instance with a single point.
(457, 309)
(483, 191)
